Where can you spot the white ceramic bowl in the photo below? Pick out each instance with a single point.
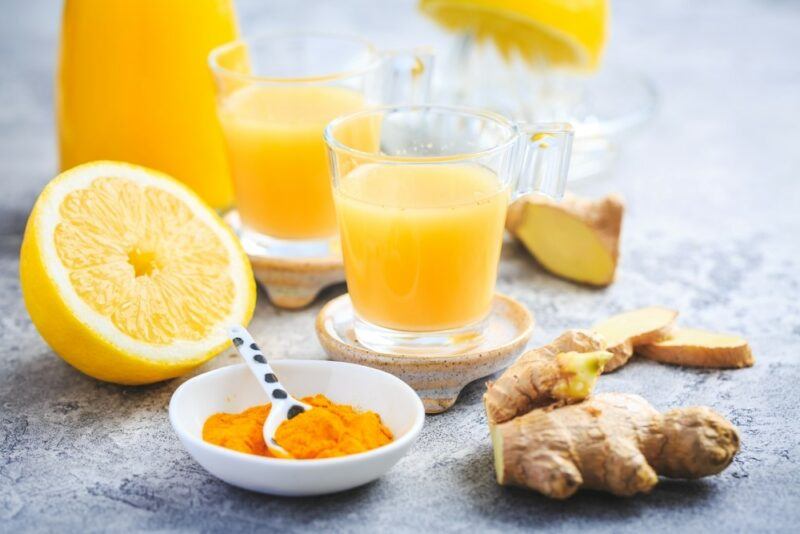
(233, 389)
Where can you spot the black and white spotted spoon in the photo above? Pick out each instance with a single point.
(284, 406)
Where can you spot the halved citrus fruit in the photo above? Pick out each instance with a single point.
(129, 276)
(548, 33)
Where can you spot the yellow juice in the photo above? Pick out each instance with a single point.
(278, 157)
(134, 85)
(421, 243)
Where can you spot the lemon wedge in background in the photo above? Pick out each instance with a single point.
(129, 276)
(547, 33)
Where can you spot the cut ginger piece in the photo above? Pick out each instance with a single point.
(580, 371)
(699, 348)
(575, 238)
(561, 372)
(625, 332)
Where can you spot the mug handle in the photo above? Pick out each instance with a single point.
(544, 154)
(407, 76)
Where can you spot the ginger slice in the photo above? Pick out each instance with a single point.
(562, 371)
(699, 348)
(612, 442)
(626, 331)
(575, 238)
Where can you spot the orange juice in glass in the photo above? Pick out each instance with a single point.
(133, 85)
(421, 220)
(275, 94)
(408, 232)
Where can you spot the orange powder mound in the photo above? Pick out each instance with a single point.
(326, 431)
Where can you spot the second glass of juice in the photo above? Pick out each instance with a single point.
(275, 94)
(421, 218)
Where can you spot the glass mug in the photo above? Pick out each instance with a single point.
(421, 194)
(275, 94)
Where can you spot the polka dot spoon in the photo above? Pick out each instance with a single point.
(284, 406)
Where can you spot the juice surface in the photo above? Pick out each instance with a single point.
(278, 156)
(134, 85)
(421, 243)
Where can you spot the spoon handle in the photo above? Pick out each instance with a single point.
(281, 401)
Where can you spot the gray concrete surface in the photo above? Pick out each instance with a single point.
(712, 230)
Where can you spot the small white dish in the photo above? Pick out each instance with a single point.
(234, 389)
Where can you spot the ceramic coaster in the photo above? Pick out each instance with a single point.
(293, 282)
(437, 379)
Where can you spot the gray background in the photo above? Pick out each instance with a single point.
(712, 230)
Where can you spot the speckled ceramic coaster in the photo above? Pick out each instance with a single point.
(437, 379)
(294, 282)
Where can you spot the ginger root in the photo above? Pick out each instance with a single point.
(699, 348)
(612, 442)
(563, 371)
(625, 332)
(576, 238)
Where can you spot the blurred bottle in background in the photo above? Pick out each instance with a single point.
(133, 85)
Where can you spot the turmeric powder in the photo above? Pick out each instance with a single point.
(326, 431)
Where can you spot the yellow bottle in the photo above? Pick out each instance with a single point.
(278, 158)
(134, 85)
(421, 243)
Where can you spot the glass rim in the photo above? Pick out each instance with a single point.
(511, 127)
(217, 69)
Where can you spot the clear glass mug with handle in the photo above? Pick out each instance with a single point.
(275, 94)
(421, 194)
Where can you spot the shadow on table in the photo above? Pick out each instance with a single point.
(44, 372)
(503, 508)
(513, 504)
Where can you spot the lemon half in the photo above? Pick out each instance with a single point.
(129, 276)
(547, 33)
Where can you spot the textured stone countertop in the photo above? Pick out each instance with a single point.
(713, 226)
